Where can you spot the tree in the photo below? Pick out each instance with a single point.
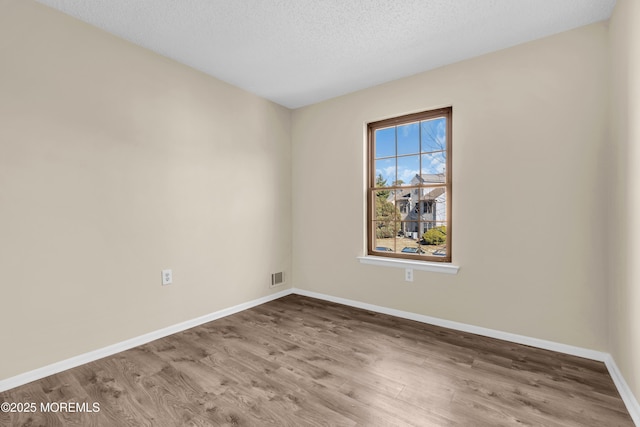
(381, 182)
(387, 216)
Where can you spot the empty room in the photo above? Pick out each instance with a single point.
(319, 213)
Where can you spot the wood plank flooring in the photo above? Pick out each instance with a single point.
(298, 361)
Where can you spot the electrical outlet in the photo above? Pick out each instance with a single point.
(408, 274)
(167, 277)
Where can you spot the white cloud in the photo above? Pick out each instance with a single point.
(388, 173)
(407, 175)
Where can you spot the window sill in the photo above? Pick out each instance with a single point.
(436, 267)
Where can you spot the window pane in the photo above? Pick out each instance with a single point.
(409, 139)
(407, 240)
(409, 232)
(385, 237)
(385, 233)
(385, 141)
(433, 204)
(404, 202)
(434, 238)
(402, 229)
(434, 134)
(412, 249)
(434, 164)
(408, 168)
(385, 207)
(385, 172)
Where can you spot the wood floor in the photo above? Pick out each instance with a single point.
(298, 361)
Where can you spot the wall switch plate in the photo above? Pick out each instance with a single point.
(408, 274)
(167, 277)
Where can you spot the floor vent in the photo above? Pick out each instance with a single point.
(277, 279)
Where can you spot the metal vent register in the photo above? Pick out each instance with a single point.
(277, 279)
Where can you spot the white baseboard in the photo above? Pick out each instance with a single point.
(100, 353)
(623, 388)
(492, 333)
(625, 392)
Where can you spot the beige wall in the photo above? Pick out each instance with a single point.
(116, 163)
(625, 243)
(529, 131)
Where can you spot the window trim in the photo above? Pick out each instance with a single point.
(446, 112)
(435, 267)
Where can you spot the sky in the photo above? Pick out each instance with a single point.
(419, 147)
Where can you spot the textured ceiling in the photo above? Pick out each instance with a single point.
(298, 52)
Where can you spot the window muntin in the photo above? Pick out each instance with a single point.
(409, 186)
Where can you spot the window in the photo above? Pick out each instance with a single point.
(409, 186)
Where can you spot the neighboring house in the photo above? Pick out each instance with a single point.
(420, 208)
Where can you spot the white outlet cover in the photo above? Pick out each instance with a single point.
(408, 274)
(167, 277)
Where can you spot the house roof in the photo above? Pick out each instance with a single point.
(435, 193)
(429, 195)
(435, 178)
